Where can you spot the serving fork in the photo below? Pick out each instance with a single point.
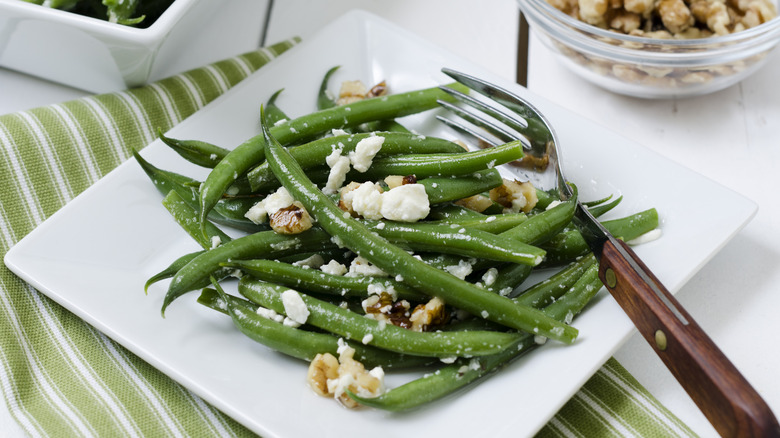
(726, 398)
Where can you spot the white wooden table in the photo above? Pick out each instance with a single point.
(732, 137)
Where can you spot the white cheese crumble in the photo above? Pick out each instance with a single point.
(337, 175)
(367, 339)
(461, 270)
(490, 276)
(269, 314)
(313, 261)
(365, 151)
(334, 268)
(448, 359)
(294, 306)
(215, 241)
(406, 203)
(272, 203)
(361, 266)
(366, 200)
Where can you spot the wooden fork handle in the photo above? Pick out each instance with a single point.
(725, 397)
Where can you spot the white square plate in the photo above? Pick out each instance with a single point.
(95, 254)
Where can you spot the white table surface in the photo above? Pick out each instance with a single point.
(732, 137)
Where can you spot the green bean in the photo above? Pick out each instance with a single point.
(390, 258)
(547, 291)
(493, 223)
(451, 378)
(602, 208)
(312, 154)
(542, 226)
(449, 212)
(171, 270)
(457, 240)
(186, 217)
(377, 333)
(314, 280)
(251, 152)
(325, 99)
(569, 245)
(227, 211)
(263, 244)
(428, 165)
(196, 152)
(301, 344)
(123, 11)
(508, 277)
(273, 113)
(445, 189)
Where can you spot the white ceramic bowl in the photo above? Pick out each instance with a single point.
(98, 56)
(648, 67)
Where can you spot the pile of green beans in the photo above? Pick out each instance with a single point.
(476, 263)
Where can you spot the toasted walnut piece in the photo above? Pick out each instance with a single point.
(656, 72)
(382, 308)
(714, 14)
(429, 315)
(675, 15)
(515, 195)
(699, 77)
(345, 203)
(377, 90)
(322, 368)
(352, 375)
(293, 219)
(593, 11)
(641, 7)
(477, 203)
(627, 74)
(567, 6)
(393, 181)
(625, 21)
(351, 91)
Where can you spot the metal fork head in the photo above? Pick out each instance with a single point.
(505, 116)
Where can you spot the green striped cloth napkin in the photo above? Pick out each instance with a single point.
(61, 377)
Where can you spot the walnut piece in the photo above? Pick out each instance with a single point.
(332, 377)
(515, 195)
(293, 219)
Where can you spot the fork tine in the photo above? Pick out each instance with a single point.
(510, 119)
(468, 130)
(537, 129)
(481, 121)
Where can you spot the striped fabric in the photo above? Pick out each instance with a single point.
(61, 377)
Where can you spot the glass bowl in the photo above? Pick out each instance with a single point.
(650, 67)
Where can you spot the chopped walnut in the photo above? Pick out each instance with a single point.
(353, 91)
(515, 195)
(477, 203)
(293, 219)
(593, 11)
(322, 368)
(429, 315)
(671, 18)
(394, 181)
(345, 203)
(331, 377)
(675, 15)
(382, 308)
